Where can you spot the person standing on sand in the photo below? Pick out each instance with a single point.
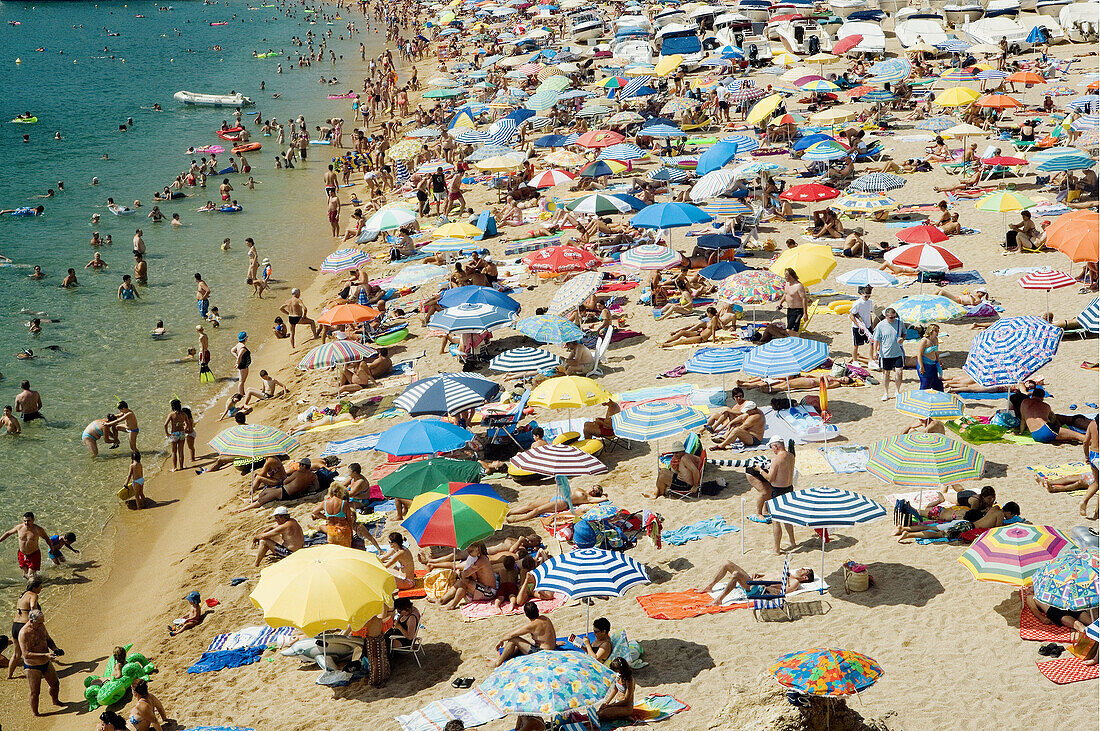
(135, 480)
(794, 299)
(34, 642)
(128, 420)
(295, 311)
(28, 403)
(175, 428)
(29, 554)
(202, 296)
(243, 358)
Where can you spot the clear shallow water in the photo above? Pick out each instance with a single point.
(108, 354)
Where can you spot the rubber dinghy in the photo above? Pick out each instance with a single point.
(213, 100)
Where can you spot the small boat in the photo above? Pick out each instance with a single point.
(992, 30)
(754, 10)
(874, 39)
(1002, 8)
(246, 147)
(844, 8)
(799, 35)
(223, 22)
(233, 134)
(962, 12)
(213, 100)
(1051, 8)
(917, 29)
(1080, 22)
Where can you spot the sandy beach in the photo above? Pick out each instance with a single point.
(950, 646)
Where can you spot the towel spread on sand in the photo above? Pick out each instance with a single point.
(473, 611)
(251, 637)
(699, 530)
(1033, 629)
(846, 459)
(681, 605)
(473, 709)
(213, 661)
(355, 444)
(651, 709)
(967, 277)
(1055, 471)
(1067, 670)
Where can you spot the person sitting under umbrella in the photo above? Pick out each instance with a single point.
(301, 481)
(578, 362)
(537, 634)
(748, 428)
(827, 225)
(740, 577)
(601, 425)
(619, 701)
(683, 472)
(927, 425)
(1077, 621)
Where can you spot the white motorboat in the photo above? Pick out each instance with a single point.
(992, 30)
(587, 26)
(1051, 8)
(754, 10)
(195, 98)
(962, 12)
(674, 39)
(633, 51)
(800, 35)
(874, 39)
(669, 15)
(1002, 8)
(844, 8)
(1080, 22)
(736, 24)
(1055, 31)
(633, 21)
(919, 30)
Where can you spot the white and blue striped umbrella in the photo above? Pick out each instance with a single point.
(400, 171)
(712, 185)
(1066, 162)
(1084, 103)
(486, 152)
(877, 182)
(540, 101)
(824, 507)
(661, 130)
(502, 131)
(524, 360)
(785, 357)
(472, 317)
(867, 276)
(752, 169)
(636, 85)
(714, 361)
(539, 122)
(672, 175)
(928, 404)
(953, 46)
(892, 69)
(1090, 316)
(590, 572)
(623, 151)
(653, 420)
(1093, 630)
(446, 393)
(878, 95)
(446, 244)
(472, 137)
(413, 275)
(1086, 123)
(1011, 349)
(744, 142)
(991, 74)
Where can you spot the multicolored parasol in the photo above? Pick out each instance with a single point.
(1012, 554)
(455, 515)
(825, 671)
(924, 460)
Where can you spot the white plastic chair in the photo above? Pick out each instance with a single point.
(601, 351)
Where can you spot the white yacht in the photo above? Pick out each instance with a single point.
(874, 39)
(844, 8)
(919, 29)
(961, 12)
(992, 30)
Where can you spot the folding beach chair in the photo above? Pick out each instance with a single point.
(774, 601)
(601, 351)
(508, 421)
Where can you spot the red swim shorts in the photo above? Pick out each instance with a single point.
(33, 561)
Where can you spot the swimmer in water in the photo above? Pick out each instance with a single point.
(25, 354)
(37, 273)
(159, 331)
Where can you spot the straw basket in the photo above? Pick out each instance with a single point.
(856, 580)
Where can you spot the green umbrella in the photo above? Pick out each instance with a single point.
(426, 475)
(443, 93)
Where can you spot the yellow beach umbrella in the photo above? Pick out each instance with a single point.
(958, 96)
(783, 59)
(668, 64)
(500, 162)
(763, 109)
(324, 588)
(457, 230)
(405, 149)
(963, 130)
(821, 58)
(812, 263)
(568, 392)
(645, 70)
(834, 116)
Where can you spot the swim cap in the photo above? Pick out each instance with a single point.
(241, 336)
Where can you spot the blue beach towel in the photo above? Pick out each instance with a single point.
(220, 660)
(699, 530)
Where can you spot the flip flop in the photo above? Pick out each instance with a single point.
(760, 519)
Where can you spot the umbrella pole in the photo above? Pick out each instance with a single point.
(742, 526)
(822, 589)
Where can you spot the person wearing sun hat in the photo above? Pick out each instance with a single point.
(194, 615)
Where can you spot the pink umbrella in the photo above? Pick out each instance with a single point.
(550, 178)
(846, 44)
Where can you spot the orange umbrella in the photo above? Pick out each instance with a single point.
(1094, 86)
(1026, 77)
(1076, 234)
(998, 101)
(347, 315)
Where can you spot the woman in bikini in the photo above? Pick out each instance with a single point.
(143, 715)
(339, 516)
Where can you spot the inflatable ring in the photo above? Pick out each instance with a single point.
(393, 338)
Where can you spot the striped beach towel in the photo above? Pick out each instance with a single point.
(251, 637)
(473, 709)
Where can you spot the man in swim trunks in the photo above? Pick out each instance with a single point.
(28, 534)
(301, 481)
(9, 423)
(476, 580)
(1041, 421)
(537, 634)
(282, 540)
(794, 299)
(748, 428)
(740, 577)
(34, 642)
(28, 403)
(334, 212)
(776, 482)
(202, 296)
(295, 310)
(24, 211)
(128, 421)
(682, 474)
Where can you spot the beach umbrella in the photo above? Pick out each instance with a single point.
(575, 291)
(335, 353)
(344, 260)
(1063, 163)
(432, 166)
(1093, 630)
(651, 257)
(601, 168)
(347, 314)
(1013, 553)
(470, 294)
(404, 150)
(558, 459)
(524, 360)
(811, 262)
(678, 105)
(753, 169)
(623, 151)
(825, 150)
(935, 124)
(892, 69)
(957, 75)
(413, 275)
(485, 153)
(717, 155)
(455, 514)
(325, 587)
(599, 204)
(1068, 582)
(834, 116)
(457, 230)
(446, 245)
(253, 441)
(878, 95)
(963, 131)
(785, 357)
(861, 202)
(922, 234)
(561, 259)
(925, 257)
(721, 242)
(867, 277)
(389, 218)
(924, 460)
(1046, 280)
(472, 317)
(545, 684)
(663, 131)
(846, 44)
(670, 214)
(723, 269)
(1004, 201)
(730, 207)
(928, 404)
(957, 96)
(809, 193)
(1076, 234)
(713, 361)
(877, 183)
(748, 94)
(501, 163)
(826, 671)
(1026, 77)
(1011, 349)
(553, 329)
(552, 141)
(821, 86)
(763, 109)
(446, 393)
(751, 287)
(653, 420)
(422, 436)
(924, 308)
(444, 93)
(415, 478)
(598, 138)
(997, 101)
(626, 117)
(424, 132)
(568, 392)
(542, 99)
(1090, 316)
(744, 142)
(590, 572)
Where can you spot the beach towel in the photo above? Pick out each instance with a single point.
(473, 709)
(651, 709)
(1017, 271)
(846, 459)
(680, 605)
(473, 611)
(364, 443)
(963, 277)
(697, 531)
(982, 396)
(214, 661)
(1034, 630)
(589, 341)
(251, 637)
(617, 286)
(1055, 471)
(418, 591)
(1067, 670)
(654, 392)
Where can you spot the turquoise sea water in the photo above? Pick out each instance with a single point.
(77, 88)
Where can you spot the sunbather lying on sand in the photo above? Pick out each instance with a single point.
(797, 383)
(702, 332)
(740, 577)
(993, 518)
(1077, 621)
(578, 496)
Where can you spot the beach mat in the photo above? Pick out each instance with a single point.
(699, 530)
(1055, 471)
(1008, 438)
(473, 611)
(1067, 670)
(417, 592)
(1035, 631)
(681, 605)
(473, 709)
(651, 709)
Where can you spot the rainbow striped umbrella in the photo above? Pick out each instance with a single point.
(1067, 582)
(825, 671)
(928, 404)
(653, 420)
(1011, 349)
(1003, 201)
(650, 256)
(335, 353)
(726, 207)
(923, 460)
(1013, 553)
(253, 441)
(455, 514)
(751, 287)
(344, 260)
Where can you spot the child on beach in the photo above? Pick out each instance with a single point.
(135, 480)
(57, 543)
(192, 619)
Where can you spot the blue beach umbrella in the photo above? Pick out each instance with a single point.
(803, 143)
(721, 270)
(785, 357)
(672, 175)
(664, 131)
(1063, 163)
(716, 156)
(422, 436)
(447, 393)
(744, 143)
(471, 317)
(719, 242)
(623, 151)
(715, 361)
(936, 124)
(867, 276)
(552, 329)
(588, 572)
(653, 420)
(477, 295)
(670, 214)
(524, 360)
(1011, 349)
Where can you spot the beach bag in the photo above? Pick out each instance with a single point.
(839, 369)
(978, 433)
(856, 577)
